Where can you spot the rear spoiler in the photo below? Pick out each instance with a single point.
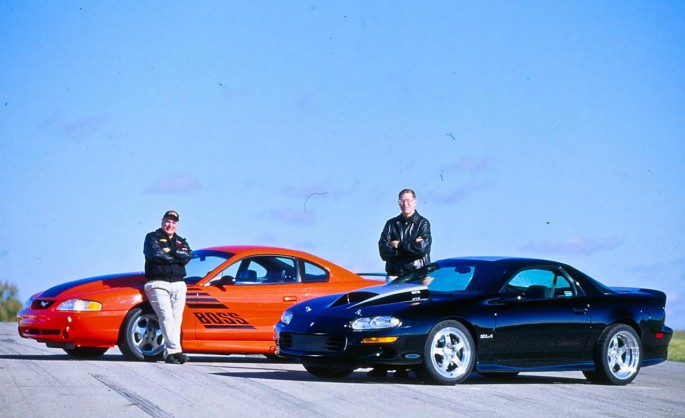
(373, 276)
(661, 296)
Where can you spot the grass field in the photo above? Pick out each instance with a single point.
(676, 349)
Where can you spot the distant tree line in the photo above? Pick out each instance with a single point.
(9, 304)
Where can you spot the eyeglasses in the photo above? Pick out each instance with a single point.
(403, 201)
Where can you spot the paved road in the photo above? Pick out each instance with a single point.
(36, 381)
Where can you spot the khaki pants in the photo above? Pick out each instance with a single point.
(168, 301)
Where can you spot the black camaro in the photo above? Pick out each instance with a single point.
(494, 316)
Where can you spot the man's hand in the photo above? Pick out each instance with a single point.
(394, 244)
(427, 280)
(166, 250)
(419, 239)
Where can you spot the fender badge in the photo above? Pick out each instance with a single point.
(358, 312)
(308, 309)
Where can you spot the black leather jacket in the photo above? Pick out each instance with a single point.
(161, 265)
(409, 255)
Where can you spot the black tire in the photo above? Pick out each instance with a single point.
(141, 337)
(594, 376)
(86, 352)
(274, 357)
(328, 372)
(618, 355)
(449, 354)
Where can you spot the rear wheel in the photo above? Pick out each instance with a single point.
(449, 354)
(86, 352)
(328, 372)
(617, 357)
(141, 336)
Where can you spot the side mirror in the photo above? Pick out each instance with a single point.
(225, 281)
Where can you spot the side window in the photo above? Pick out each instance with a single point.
(201, 265)
(280, 270)
(226, 276)
(563, 287)
(539, 284)
(263, 270)
(314, 273)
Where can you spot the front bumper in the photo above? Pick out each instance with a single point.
(65, 329)
(349, 350)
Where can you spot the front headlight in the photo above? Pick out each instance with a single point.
(79, 305)
(376, 322)
(286, 317)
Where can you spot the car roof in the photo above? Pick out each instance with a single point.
(261, 249)
(242, 250)
(501, 259)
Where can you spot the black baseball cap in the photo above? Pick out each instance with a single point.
(171, 214)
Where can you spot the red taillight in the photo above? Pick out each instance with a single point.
(659, 335)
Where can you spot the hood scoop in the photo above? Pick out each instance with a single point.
(381, 295)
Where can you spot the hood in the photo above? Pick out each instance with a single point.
(381, 295)
(129, 280)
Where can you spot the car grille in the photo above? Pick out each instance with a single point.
(323, 344)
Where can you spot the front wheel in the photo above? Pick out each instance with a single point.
(86, 352)
(617, 357)
(449, 354)
(328, 372)
(141, 336)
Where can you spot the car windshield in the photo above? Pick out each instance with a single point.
(203, 262)
(440, 278)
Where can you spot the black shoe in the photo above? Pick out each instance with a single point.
(172, 359)
(377, 373)
(182, 358)
(401, 374)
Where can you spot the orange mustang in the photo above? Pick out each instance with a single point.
(235, 296)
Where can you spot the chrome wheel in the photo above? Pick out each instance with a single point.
(617, 357)
(142, 336)
(449, 353)
(623, 355)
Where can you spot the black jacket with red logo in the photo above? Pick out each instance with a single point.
(409, 255)
(162, 265)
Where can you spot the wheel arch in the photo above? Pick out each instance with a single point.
(631, 323)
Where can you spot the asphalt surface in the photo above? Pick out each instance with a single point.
(36, 381)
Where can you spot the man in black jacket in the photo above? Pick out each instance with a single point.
(405, 242)
(405, 246)
(166, 255)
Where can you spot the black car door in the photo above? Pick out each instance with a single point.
(543, 320)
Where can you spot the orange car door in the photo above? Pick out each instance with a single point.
(246, 300)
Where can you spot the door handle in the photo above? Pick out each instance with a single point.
(289, 298)
(580, 311)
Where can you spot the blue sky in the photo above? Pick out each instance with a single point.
(542, 129)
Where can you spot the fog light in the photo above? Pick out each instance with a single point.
(376, 340)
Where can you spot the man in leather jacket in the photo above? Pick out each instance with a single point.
(405, 246)
(405, 241)
(166, 254)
